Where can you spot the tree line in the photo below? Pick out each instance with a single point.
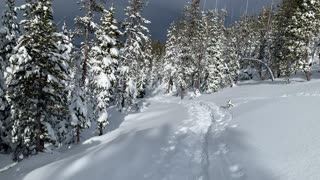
(204, 54)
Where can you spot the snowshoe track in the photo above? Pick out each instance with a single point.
(199, 140)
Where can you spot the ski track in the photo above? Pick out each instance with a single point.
(199, 141)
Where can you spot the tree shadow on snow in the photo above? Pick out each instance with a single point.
(235, 159)
(266, 82)
(128, 156)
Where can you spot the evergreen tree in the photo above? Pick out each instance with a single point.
(65, 49)
(189, 49)
(132, 82)
(170, 64)
(229, 53)
(104, 57)
(214, 66)
(36, 83)
(297, 22)
(78, 114)
(282, 38)
(231, 56)
(8, 39)
(264, 25)
(86, 27)
(305, 24)
(194, 44)
(157, 63)
(184, 60)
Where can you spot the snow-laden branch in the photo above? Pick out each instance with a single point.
(261, 62)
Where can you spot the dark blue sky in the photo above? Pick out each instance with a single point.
(160, 12)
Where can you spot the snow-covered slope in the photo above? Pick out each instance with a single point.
(271, 133)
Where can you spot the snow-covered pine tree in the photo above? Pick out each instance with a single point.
(103, 60)
(261, 26)
(214, 66)
(195, 39)
(189, 49)
(246, 38)
(297, 23)
(36, 81)
(278, 38)
(78, 114)
(184, 60)
(65, 48)
(231, 56)
(228, 51)
(170, 65)
(85, 27)
(134, 56)
(10, 31)
(304, 28)
(8, 39)
(77, 118)
(157, 63)
(283, 39)
(145, 77)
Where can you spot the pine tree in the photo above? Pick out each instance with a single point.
(194, 39)
(8, 39)
(189, 49)
(132, 82)
(170, 64)
(104, 57)
(297, 22)
(305, 24)
(229, 53)
(283, 38)
(86, 27)
(66, 48)
(156, 63)
(36, 83)
(262, 52)
(78, 114)
(184, 60)
(214, 66)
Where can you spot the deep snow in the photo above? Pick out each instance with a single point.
(271, 133)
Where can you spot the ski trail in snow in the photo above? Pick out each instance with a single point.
(192, 150)
(221, 163)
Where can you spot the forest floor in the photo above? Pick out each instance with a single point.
(271, 133)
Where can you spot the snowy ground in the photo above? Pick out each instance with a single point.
(272, 133)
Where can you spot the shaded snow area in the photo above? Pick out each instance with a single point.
(271, 133)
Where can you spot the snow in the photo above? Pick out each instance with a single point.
(270, 132)
(5, 163)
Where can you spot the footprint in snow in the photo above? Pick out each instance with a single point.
(236, 171)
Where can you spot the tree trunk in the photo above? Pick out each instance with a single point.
(170, 84)
(308, 75)
(86, 44)
(40, 105)
(182, 92)
(78, 134)
(100, 129)
(38, 140)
